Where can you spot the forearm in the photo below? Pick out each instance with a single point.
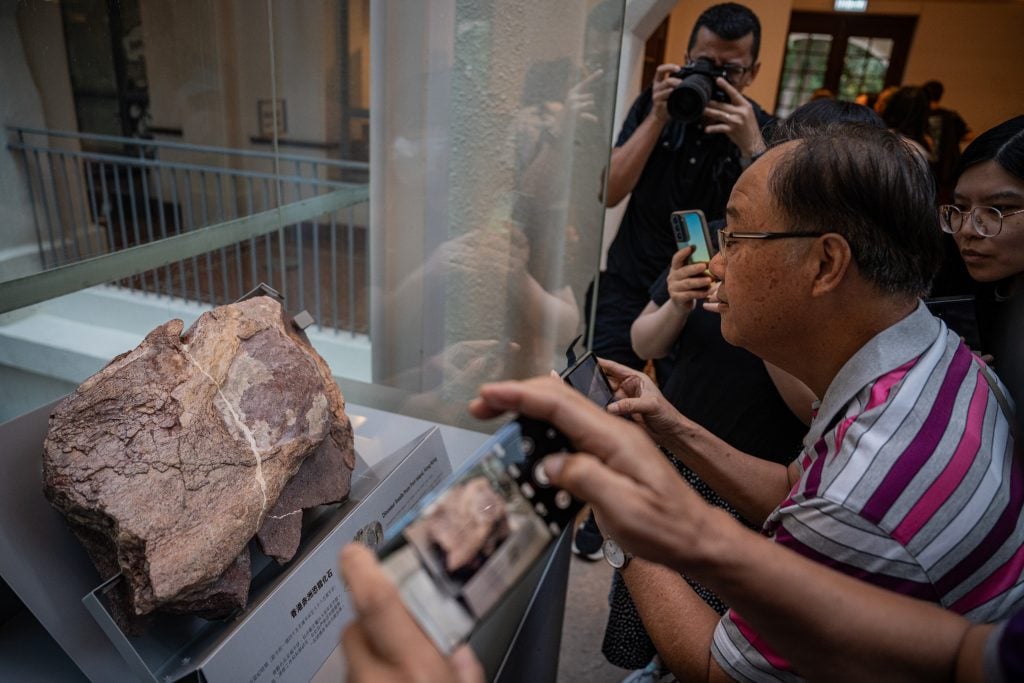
(680, 624)
(859, 632)
(628, 161)
(796, 395)
(752, 485)
(655, 331)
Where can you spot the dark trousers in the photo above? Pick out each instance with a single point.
(618, 305)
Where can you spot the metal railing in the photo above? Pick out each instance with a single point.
(102, 194)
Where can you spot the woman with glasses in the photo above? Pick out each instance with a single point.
(987, 222)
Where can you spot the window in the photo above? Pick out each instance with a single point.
(848, 55)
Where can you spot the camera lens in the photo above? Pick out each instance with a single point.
(686, 103)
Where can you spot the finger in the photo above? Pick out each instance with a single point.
(361, 663)
(734, 95)
(606, 485)
(617, 370)
(385, 622)
(630, 404)
(712, 307)
(590, 79)
(721, 110)
(679, 258)
(664, 70)
(586, 425)
(718, 128)
(467, 666)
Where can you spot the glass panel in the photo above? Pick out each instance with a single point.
(803, 71)
(864, 66)
(443, 237)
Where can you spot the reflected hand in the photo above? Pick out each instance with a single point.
(637, 396)
(384, 643)
(736, 119)
(580, 99)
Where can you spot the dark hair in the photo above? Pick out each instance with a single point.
(866, 184)
(818, 114)
(1003, 144)
(906, 112)
(729, 21)
(934, 90)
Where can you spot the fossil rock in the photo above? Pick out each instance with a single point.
(173, 456)
(317, 482)
(470, 521)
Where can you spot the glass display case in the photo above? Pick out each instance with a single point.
(425, 180)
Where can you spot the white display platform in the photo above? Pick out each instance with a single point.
(49, 571)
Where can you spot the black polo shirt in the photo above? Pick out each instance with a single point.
(687, 169)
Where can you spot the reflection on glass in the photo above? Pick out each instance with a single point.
(142, 126)
(500, 171)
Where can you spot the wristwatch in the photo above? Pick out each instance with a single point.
(614, 554)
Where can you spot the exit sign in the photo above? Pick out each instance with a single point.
(851, 5)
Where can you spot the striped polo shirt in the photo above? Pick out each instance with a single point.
(908, 480)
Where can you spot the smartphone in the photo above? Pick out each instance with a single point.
(458, 553)
(691, 228)
(587, 378)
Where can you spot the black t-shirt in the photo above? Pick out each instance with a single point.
(727, 390)
(687, 169)
(1001, 329)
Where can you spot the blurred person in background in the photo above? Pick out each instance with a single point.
(986, 219)
(906, 113)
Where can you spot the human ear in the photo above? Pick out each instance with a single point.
(834, 259)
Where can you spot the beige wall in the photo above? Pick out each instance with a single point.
(974, 48)
(774, 16)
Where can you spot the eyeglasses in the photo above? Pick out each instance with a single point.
(733, 72)
(727, 238)
(986, 220)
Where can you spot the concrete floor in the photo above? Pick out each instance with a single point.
(586, 609)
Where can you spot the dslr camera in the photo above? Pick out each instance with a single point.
(686, 103)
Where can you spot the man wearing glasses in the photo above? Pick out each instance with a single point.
(670, 165)
(907, 478)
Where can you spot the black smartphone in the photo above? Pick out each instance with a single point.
(587, 378)
(691, 228)
(457, 554)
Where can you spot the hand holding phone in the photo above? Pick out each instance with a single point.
(687, 281)
(587, 378)
(456, 555)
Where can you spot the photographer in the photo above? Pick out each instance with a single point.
(670, 164)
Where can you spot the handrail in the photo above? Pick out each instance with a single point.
(151, 163)
(184, 146)
(73, 277)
